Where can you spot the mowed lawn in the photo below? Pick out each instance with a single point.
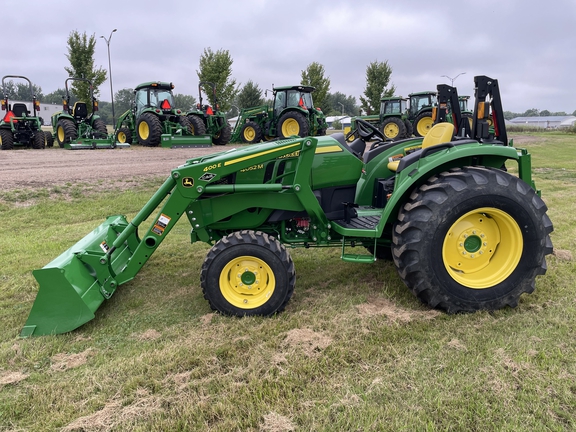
(353, 351)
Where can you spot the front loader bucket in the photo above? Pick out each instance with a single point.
(75, 284)
(182, 141)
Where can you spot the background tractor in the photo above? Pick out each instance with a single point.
(208, 119)
(17, 126)
(393, 118)
(420, 111)
(75, 122)
(292, 114)
(464, 234)
(152, 120)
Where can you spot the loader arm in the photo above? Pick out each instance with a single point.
(75, 284)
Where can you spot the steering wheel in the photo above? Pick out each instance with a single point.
(367, 131)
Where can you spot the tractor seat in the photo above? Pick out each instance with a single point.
(19, 110)
(80, 111)
(439, 134)
(356, 147)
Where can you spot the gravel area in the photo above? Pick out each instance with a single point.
(26, 168)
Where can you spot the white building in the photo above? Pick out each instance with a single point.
(546, 122)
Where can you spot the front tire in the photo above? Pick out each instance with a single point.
(472, 239)
(124, 136)
(149, 130)
(293, 123)
(423, 123)
(100, 131)
(251, 133)
(49, 139)
(248, 273)
(393, 128)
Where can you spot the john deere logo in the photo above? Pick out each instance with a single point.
(187, 182)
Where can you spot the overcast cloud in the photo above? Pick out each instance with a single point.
(527, 45)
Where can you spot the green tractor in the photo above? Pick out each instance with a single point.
(208, 119)
(75, 122)
(152, 120)
(464, 234)
(17, 126)
(392, 121)
(420, 111)
(292, 114)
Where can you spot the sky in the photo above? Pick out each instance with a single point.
(528, 45)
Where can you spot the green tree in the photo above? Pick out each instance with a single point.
(123, 101)
(377, 79)
(56, 97)
(216, 67)
(81, 58)
(313, 76)
(249, 96)
(184, 102)
(340, 104)
(532, 112)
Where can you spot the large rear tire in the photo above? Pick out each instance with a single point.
(39, 140)
(223, 136)
(472, 239)
(149, 130)
(248, 273)
(198, 126)
(65, 132)
(293, 123)
(100, 129)
(393, 128)
(6, 140)
(423, 123)
(251, 133)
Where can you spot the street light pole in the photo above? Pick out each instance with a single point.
(110, 73)
(452, 79)
(342, 105)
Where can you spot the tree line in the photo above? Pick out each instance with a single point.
(216, 67)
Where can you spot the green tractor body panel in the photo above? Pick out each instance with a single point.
(304, 192)
(19, 126)
(292, 113)
(154, 121)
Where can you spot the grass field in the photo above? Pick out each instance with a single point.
(354, 350)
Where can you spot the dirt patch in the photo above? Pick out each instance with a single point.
(49, 168)
(149, 334)
(308, 341)
(562, 254)
(114, 414)
(11, 377)
(376, 306)
(62, 362)
(274, 422)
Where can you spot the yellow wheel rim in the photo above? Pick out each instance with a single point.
(391, 130)
(424, 125)
(143, 130)
(482, 248)
(290, 127)
(121, 137)
(61, 134)
(247, 282)
(249, 133)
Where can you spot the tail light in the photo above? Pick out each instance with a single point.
(3, 103)
(37, 105)
(95, 106)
